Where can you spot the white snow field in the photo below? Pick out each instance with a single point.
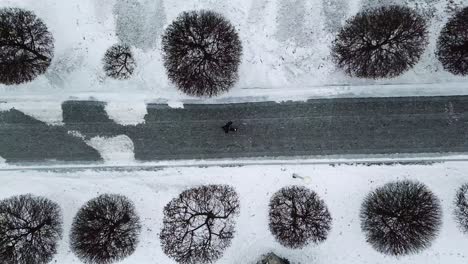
(286, 50)
(343, 189)
(286, 56)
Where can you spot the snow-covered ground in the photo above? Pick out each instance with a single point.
(286, 57)
(286, 49)
(341, 187)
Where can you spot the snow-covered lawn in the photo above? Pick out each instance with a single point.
(286, 57)
(342, 188)
(286, 49)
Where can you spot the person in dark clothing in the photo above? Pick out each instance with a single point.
(228, 127)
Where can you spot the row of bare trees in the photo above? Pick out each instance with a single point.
(202, 50)
(387, 41)
(398, 218)
(104, 230)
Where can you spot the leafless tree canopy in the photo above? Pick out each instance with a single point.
(202, 52)
(118, 62)
(452, 45)
(199, 224)
(26, 46)
(298, 216)
(401, 218)
(105, 229)
(380, 43)
(461, 208)
(30, 228)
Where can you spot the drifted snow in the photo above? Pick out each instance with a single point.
(118, 149)
(49, 112)
(113, 150)
(126, 113)
(175, 104)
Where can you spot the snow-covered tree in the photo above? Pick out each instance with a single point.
(461, 207)
(105, 229)
(119, 62)
(381, 43)
(452, 45)
(202, 52)
(401, 218)
(199, 224)
(298, 216)
(26, 46)
(30, 228)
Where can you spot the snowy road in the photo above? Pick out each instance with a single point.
(314, 128)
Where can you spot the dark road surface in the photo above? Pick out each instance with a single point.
(315, 127)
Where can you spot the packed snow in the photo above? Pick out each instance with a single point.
(175, 104)
(125, 113)
(49, 112)
(286, 49)
(343, 189)
(114, 150)
(118, 150)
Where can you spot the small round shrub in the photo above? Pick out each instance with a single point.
(461, 208)
(202, 52)
(105, 229)
(199, 224)
(298, 216)
(26, 46)
(30, 228)
(119, 62)
(452, 45)
(401, 218)
(380, 43)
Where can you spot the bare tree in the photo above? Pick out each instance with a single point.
(461, 208)
(272, 258)
(401, 218)
(298, 216)
(26, 46)
(199, 224)
(105, 229)
(119, 62)
(380, 43)
(202, 53)
(30, 228)
(452, 45)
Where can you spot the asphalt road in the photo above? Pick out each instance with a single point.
(316, 127)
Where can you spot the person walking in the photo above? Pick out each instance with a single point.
(228, 127)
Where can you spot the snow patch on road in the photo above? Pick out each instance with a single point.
(126, 113)
(175, 104)
(113, 150)
(46, 111)
(118, 149)
(77, 134)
